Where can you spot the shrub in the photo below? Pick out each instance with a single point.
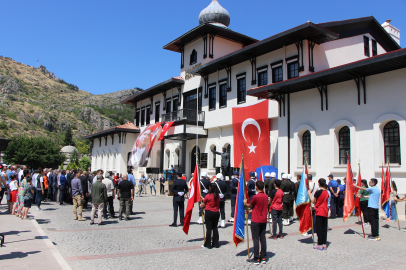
(3, 125)
(11, 115)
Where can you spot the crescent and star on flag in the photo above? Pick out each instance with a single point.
(247, 122)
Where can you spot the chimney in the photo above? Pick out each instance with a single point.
(392, 30)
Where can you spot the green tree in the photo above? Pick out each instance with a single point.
(73, 166)
(35, 152)
(68, 140)
(74, 158)
(82, 148)
(85, 163)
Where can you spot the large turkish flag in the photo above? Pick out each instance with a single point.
(251, 136)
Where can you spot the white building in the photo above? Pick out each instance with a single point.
(332, 87)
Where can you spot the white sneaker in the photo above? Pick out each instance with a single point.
(156, 195)
(222, 224)
(249, 221)
(291, 219)
(203, 246)
(305, 234)
(199, 221)
(231, 220)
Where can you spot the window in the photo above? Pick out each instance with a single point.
(366, 46)
(241, 92)
(374, 47)
(203, 160)
(157, 111)
(263, 78)
(137, 118)
(212, 98)
(142, 117)
(193, 57)
(168, 106)
(175, 105)
(223, 95)
(306, 143)
(392, 142)
(214, 157)
(293, 70)
(148, 116)
(277, 74)
(344, 144)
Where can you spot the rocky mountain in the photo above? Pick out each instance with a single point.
(35, 102)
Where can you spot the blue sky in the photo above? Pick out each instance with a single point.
(104, 46)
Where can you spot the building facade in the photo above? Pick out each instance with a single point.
(332, 88)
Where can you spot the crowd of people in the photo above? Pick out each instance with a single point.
(273, 200)
(23, 187)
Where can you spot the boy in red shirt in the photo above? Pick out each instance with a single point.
(276, 196)
(259, 205)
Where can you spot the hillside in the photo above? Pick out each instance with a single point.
(34, 102)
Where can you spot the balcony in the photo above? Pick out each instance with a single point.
(185, 116)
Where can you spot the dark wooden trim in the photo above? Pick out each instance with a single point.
(292, 57)
(211, 84)
(262, 67)
(222, 80)
(241, 74)
(276, 63)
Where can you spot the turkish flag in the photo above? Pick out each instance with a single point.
(165, 129)
(194, 197)
(349, 201)
(251, 135)
(357, 205)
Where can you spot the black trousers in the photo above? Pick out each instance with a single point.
(162, 189)
(249, 215)
(222, 210)
(2, 193)
(333, 206)
(233, 200)
(364, 209)
(258, 236)
(61, 194)
(55, 194)
(321, 229)
(373, 217)
(276, 221)
(340, 211)
(181, 206)
(212, 220)
(111, 207)
(285, 211)
(290, 213)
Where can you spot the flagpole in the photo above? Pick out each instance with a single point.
(362, 222)
(394, 199)
(311, 210)
(267, 215)
(246, 212)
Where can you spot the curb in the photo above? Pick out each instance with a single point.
(59, 258)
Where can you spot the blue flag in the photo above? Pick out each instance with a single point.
(239, 216)
(303, 205)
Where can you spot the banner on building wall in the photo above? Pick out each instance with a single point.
(251, 135)
(143, 145)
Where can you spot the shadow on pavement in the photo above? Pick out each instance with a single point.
(49, 209)
(14, 232)
(196, 240)
(43, 221)
(307, 240)
(16, 255)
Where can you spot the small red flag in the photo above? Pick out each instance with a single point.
(349, 202)
(357, 205)
(261, 176)
(194, 197)
(165, 129)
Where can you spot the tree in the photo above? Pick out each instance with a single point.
(68, 140)
(85, 163)
(82, 148)
(74, 158)
(35, 152)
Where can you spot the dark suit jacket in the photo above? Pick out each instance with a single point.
(251, 188)
(179, 185)
(223, 187)
(234, 187)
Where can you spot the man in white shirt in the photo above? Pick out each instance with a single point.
(110, 196)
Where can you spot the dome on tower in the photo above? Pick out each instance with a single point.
(215, 14)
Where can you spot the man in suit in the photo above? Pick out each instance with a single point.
(204, 187)
(139, 155)
(179, 188)
(225, 161)
(287, 189)
(234, 188)
(222, 187)
(162, 184)
(251, 190)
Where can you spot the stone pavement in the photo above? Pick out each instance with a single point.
(147, 242)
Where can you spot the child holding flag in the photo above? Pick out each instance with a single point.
(259, 205)
(320, 201)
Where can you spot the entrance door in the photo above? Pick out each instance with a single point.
(193, 158)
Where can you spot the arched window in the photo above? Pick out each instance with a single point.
(193, 57)
(306, 144)
(214, 157)
(168, 158)
(344, 144)
(114, 161)
(392, 142)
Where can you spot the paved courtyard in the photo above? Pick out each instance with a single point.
(146, 242)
